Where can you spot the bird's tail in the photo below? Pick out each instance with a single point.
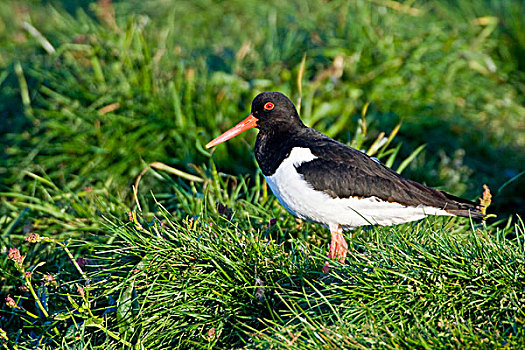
(464, 208)
(472, 212)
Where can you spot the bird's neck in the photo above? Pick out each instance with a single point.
(272, 147)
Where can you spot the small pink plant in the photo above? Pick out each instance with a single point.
(18, 259)
(485, 200)
(33, 238)
(11, 303)
(211, 334)
(81, 291)
(49, 280)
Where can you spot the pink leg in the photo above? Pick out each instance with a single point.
(338, 245)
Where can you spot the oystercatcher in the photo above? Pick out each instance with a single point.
(319, 179)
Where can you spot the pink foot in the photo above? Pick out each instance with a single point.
(326, 267)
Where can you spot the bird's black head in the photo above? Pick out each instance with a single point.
(272, 112)
(275, 110)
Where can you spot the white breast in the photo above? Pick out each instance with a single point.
(301, 200)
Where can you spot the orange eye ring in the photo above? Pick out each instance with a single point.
(268, 106)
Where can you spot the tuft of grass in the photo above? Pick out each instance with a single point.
(236, 276)
(214, 282)
(122, 88)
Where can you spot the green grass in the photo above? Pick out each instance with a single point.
(89, 99)
(212, 280)
(406, 286)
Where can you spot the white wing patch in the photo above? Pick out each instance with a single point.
(303, 201)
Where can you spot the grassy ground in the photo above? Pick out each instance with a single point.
(91, 93)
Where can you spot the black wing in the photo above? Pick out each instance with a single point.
(341, 171)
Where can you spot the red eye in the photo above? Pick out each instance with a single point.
(268, 106)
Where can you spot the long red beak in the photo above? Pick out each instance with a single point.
(246, 124)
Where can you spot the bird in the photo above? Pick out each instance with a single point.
(321, 180)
